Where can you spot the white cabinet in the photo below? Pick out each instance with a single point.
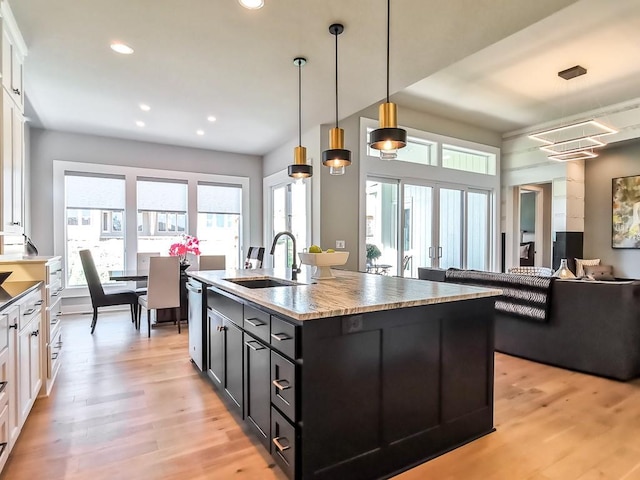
(13, 55)
(49, 271)
(12, 132)
(20, 365)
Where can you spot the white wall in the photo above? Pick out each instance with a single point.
(617, 161)
(47, 146)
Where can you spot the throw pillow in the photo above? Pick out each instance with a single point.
(581, 263)
(524, 251)
(599, 272)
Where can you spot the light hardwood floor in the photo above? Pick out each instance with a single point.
(128, 407)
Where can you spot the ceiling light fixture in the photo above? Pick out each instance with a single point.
(336, 158)
(575, 141)
(144, 107)
(200, 132)
(121, 48)
(388, 138)
(211, 118)
(252, 4)
(140, 123)
(300, 168)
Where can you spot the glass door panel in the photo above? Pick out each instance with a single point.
(381, 236)
(478, 230)
(289, 214)
(279, 199)
(451, 228)
(417, 231)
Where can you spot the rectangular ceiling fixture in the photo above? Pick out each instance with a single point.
(572, 139)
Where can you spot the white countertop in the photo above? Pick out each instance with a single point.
(27, 258)
(347, 294)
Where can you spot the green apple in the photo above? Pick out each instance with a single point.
(331, 250)
(315, 249)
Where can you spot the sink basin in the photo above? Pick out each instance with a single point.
(265, 282)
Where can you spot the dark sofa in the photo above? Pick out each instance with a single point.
(591, 326)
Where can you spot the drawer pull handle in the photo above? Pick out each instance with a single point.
(39, 302)
(280, 336)
(253, 347)
(255, 322)
(3, 445)
(221, 328)
(29, 312)
(54, 355)
(15, 325)
(3, 385)
(16, 91)
(281, 384)
(35, 333)
(280, 446)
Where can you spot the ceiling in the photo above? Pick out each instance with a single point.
(488, 62)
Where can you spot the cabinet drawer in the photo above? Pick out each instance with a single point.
(283, 385)
(54, 352)
(53, 291)
(30, 307)
(4, 434)
(283, 443)
(257, 322)
(54, 313)
(283, 337)
(225, 306)
(55, 272)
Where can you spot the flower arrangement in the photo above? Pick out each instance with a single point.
(188, 244)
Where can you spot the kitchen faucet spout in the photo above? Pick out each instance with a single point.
(294, 268)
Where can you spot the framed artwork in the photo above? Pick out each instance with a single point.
(625, 232)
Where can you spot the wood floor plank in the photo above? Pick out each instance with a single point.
(130, 407)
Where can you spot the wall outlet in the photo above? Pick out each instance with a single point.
(339, 243)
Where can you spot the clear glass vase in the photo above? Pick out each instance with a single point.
(563, 271)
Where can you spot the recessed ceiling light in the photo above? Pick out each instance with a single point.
(211, 118)
(144, 107)
(252, 4)
(140, 123)
(122, 48)
(200, 132)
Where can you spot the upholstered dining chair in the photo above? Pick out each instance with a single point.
(142, 266)
(163, 288)
(254, 257)
(212, 262)
(98, 297)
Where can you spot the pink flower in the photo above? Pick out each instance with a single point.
(189, 244)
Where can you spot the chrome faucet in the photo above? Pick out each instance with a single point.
(294, 268)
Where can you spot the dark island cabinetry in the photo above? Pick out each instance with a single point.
(355, 396)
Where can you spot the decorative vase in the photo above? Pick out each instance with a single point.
(563, 271)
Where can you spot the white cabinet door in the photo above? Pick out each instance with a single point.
(35, 362)
(24, 372)
(12, 70)
(12, 166)
(13, 390)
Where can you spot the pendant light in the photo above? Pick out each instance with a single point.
(388, 138)
(300, 168)
(336, 158)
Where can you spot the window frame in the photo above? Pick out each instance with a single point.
(130, 220)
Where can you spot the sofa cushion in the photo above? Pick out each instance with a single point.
(524, 296)
(599, 272)
(582, 262)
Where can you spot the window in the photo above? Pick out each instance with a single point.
(101, 206)
(468, 160)
(219, 224)
(101, 199)
(162, 213)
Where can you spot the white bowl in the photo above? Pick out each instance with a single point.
(323, 262)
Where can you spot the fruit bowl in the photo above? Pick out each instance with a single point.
(323, 262)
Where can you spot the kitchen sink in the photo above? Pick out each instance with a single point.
(265, 282)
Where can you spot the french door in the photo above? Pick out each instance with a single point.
(289, 212)
(437, 225)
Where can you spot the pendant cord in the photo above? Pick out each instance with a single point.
(388, 35)
(336, 35)
(299, 104)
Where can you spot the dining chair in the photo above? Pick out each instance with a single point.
(254, 257)
(142, 267)
(163, 288)
(98, 297)
(212, 262)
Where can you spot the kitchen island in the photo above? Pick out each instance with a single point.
(361, 376)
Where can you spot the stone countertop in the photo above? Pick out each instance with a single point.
(27, 259)
(12, 291)
(347, 294)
